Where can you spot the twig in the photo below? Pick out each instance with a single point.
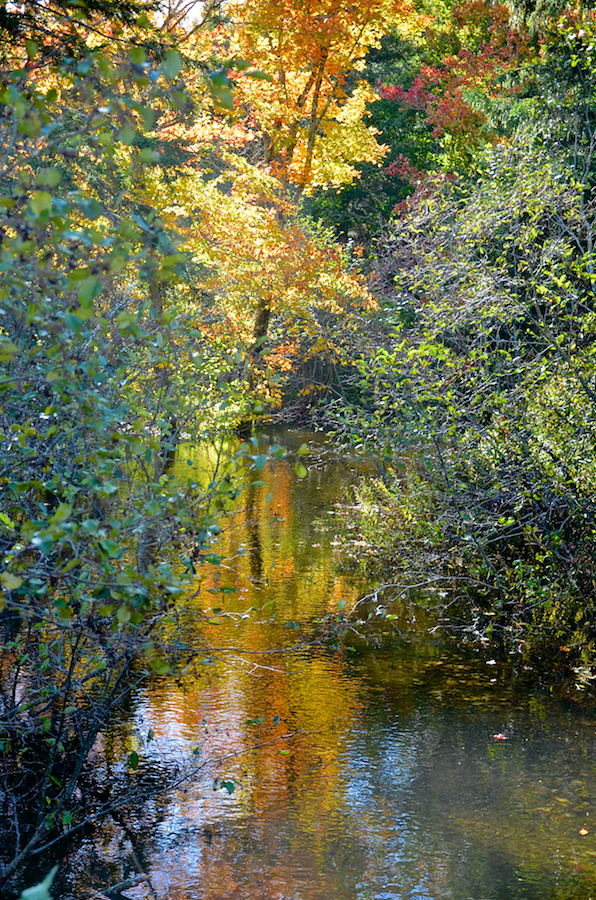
(128, 883)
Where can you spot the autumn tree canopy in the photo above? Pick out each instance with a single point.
(311, 115)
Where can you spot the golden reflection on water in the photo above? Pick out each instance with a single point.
(278, 720)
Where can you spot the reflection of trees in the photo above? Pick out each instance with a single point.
(253, 532)
(282, 830)
(392, 783)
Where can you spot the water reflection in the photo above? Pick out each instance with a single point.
(346, 774)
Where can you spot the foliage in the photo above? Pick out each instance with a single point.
(101, 372)
(268, 281)
(157, 284)
(312, 117)
(443, 95)
(490, 374)
(160, 282)
(359, 210)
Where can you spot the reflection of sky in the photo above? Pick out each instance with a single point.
(392, 768)
(383, 765)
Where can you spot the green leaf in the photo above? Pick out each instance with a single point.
(41, 202)
(149, 156)
(9, 581)
(62, 513)
(133, 761)
(127, 135)
(105, 610)
(172, 64)
(160, 666)
(148, 117)
(111, 547)
(43, 542)
(260, 76)
(90, 526)
(222, 96)
(32, 49)
(90, 289)
(41, 891)
(7, 521)
(138, 55)
(67, 818)
(51, 177)
(8, 350)
(300, 470)
(107, 488)
(91, 208)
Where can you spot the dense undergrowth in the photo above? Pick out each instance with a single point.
(512, 590)
(479, 401)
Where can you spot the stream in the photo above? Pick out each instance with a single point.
(407, 768)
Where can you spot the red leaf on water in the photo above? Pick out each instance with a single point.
(500, 736)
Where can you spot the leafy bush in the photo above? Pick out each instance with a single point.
(98, 382)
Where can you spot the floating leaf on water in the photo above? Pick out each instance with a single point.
(583, 830)
(500, 736)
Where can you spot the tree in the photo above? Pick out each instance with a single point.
(461, 93)
(97, 537)
(269, 286)
(290, 130)
(312, 118)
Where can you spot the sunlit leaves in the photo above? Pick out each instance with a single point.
(313, 127)
(95, 352)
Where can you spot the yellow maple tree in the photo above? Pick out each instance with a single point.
(312, 111)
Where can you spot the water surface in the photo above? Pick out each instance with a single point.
(344, 770)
